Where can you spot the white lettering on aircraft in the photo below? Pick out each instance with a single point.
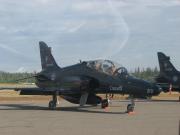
(119, 88)
(150, 91)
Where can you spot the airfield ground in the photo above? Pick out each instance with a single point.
(29, 115)
(28, 118)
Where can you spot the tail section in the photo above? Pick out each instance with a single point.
(47, 60)
(169, 77)
(165, 64)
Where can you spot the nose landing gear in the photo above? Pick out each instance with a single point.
(105, 103)
(130, 107)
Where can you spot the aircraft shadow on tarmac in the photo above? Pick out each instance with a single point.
(21, 107)
(154, 100)
(86, 109)
(163, 100)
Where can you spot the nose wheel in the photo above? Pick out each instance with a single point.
(54, 101)
(130, 107)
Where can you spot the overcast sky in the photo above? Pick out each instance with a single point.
(129, 32)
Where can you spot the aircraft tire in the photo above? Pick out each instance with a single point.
(130, 108)
(104, 103)
(52, 105)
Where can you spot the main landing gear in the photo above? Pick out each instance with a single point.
(54, 101)
(105, 103)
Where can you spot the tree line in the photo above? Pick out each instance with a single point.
(6, 77)
(145, 73)
(148, 74)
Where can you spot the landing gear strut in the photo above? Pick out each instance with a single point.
(53, 102)
(130, 107)
(105, 102)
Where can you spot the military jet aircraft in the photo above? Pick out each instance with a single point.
(81, 82)
(169, 77)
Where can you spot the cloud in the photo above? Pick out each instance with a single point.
(10, 49)
(158, 2)
(104, 5)
(21, 70)
(76, 28)
(43, 1)
(112, 27)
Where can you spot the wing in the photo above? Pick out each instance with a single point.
(29, 91)
(41, 91)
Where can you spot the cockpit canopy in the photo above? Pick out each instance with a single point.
(107, 67)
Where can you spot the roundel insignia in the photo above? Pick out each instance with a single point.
(175, 78)
(53, 76)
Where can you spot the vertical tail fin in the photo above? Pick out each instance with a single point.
(165, 64)
(47, 60)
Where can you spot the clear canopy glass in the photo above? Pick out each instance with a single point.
(108, 67)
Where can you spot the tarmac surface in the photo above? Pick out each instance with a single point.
(150, 118)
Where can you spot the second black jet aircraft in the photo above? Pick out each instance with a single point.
(169, 77)
(81, 82)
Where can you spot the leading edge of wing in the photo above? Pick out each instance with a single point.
(40, 91)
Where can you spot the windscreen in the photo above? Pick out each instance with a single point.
(107, 67)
